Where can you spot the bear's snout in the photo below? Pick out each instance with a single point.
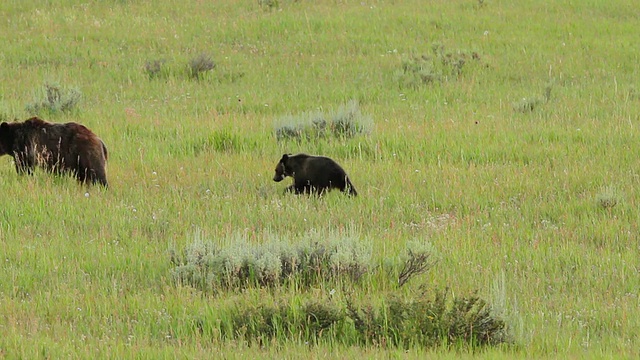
(278, 177)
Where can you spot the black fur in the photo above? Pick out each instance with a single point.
(313, 174)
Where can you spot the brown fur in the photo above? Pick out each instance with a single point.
(58, 148)
(313, 174)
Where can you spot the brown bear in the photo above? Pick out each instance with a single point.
(69, 148)
(313, 174)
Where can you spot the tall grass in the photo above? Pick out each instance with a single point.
(543, 202)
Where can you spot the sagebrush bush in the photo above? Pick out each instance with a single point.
(284, 320)
(529, 104)
(419, 70)
(155, 68)
(240, 264)
(269, 4)
(316, 257)
(440, 319)
(417, 260)
(54, 98)
(608, 197)
(346, 122)
(199, 65)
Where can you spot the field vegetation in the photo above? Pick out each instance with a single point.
(493, 144)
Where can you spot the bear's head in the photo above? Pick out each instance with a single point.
(6, 138)
(282, 170)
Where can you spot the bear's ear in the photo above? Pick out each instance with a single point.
(4, 126)
(284, 157)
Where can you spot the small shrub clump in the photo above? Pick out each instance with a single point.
(607, 198)
(417, 260)
(199, 65)
(207, 266)
(155, 68)
(54, 98)
(418, 321)
(440, 320)
(347, 122)
(419, 70)
(526, 105)
(268, 4)
(257, 323)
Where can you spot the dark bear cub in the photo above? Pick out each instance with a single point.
(58, 148)
(313, 174)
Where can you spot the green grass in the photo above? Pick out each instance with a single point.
(511, 201)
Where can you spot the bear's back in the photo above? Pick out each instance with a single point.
(36, 123)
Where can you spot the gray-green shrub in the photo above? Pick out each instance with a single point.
(199, 65)
(346, 122)
(240, 264)
(54, 98)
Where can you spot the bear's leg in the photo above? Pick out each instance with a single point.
(98, 177)
(102, 180)
(92, 176)
(90, 167)
(311, 190)
(350, 190)
(299, 189)
(347, 187)
(81, 174)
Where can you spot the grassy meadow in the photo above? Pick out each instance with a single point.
(516, 162)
